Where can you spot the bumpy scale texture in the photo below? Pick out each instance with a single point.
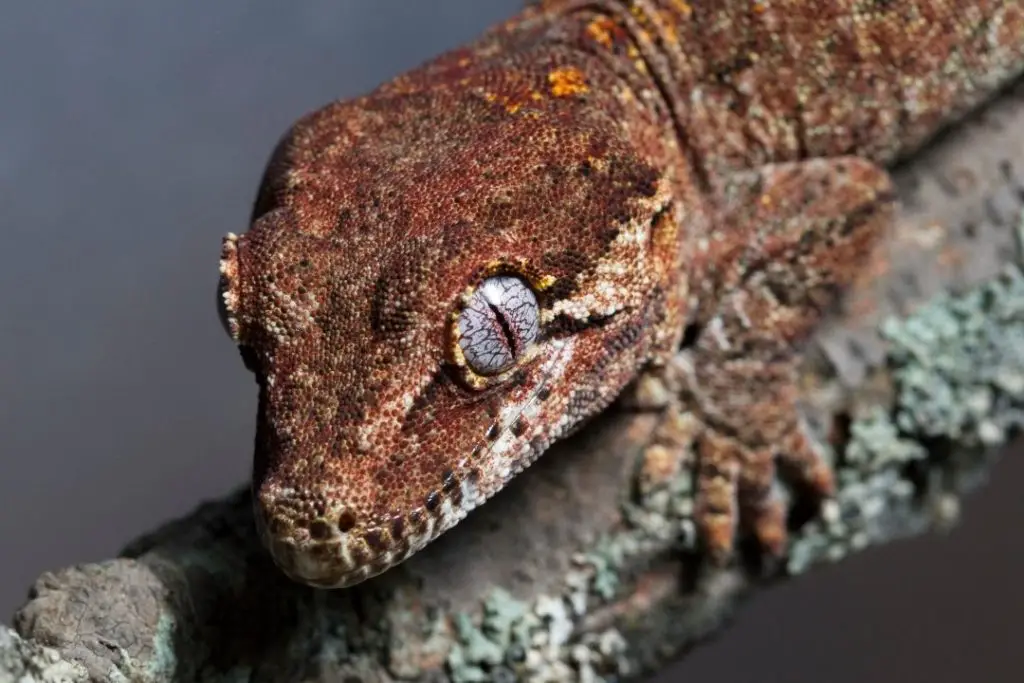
(686, 181)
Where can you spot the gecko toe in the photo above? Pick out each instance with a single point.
(809, 468)
(736, 493)
(717, 512)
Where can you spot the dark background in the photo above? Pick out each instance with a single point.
(132, 136)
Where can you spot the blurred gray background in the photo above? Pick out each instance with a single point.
(132, 137)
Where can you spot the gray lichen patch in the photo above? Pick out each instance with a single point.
(958, 364)
(957, 370)
(26, 661)
(872, 484)
(515, 640)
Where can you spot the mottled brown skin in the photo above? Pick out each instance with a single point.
(649, 167)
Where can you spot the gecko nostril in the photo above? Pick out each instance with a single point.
(346, 521)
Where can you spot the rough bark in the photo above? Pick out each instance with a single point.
(586, 567)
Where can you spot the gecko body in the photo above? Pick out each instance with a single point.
(450, 273)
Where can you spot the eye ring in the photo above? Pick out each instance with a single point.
(496, 326)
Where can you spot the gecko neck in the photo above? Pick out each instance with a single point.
(635, 41)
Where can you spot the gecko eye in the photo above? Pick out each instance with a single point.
(498, 324)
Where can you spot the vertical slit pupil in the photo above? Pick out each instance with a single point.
(506, 329)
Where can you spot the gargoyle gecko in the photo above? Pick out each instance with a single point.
(445, 276)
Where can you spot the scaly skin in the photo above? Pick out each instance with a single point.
(648, 168)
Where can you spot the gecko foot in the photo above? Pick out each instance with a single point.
(796, 235)
(735, 491)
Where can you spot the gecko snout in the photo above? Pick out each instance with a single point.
(323, 544)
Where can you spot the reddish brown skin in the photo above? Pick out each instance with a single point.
(648, 167)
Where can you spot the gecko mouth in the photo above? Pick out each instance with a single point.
(325, 554)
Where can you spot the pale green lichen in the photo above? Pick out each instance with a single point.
(27, 661)
(515, 640)
(959, 364)
(957, 367)
(165, 658)
(665, 512)
(872, 483)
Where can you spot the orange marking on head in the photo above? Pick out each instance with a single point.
(567, 81)
(511, 105)
(600, 30)
(683, 7)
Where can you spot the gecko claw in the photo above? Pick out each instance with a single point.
(735, 492)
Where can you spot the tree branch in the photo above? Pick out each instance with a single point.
(586, 566)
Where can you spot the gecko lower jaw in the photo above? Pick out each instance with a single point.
(329, 564)
(323, 560)
(311, 550)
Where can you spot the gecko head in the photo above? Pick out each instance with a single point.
(430, 293)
